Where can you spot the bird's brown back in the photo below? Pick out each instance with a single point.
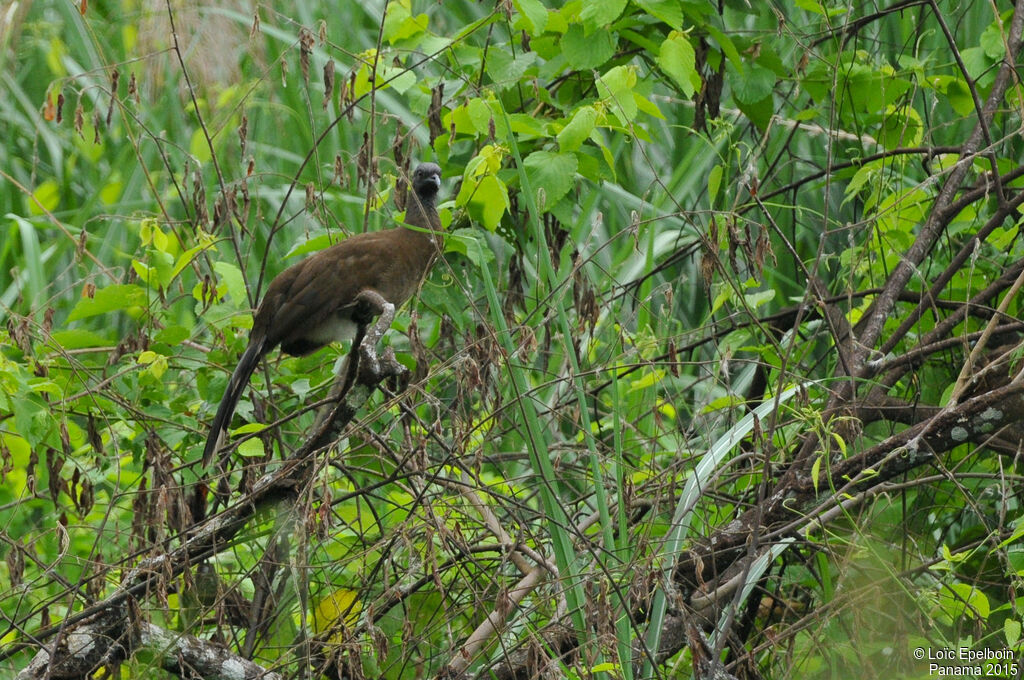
(307, 294)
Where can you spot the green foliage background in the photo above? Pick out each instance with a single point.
(660, 215)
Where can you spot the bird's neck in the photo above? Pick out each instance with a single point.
(421, 212)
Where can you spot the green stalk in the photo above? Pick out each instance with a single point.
(548, 275)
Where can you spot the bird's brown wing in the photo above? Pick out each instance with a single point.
(309, 292)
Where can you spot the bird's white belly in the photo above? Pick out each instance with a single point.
(336, 329)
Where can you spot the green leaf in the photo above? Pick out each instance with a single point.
(172, 335)
(599, 13)
(400, 24)
(678, 60)
(616, 90)
(535, 14)
(231, 277)
(185, 258)
(251, 448)
(110, 194)
(760, 113)
(669, 11)
(902, 126)
(753, 85)
(727, 46)
(312, 245)
(992, 40)
(714, 182)
(819, 8)
(114, 298)
(79, 338)
(579, 127)
(45, 198)
(485, 195)
(471, 243)
(1011, 630)
(198, 147)
(554, 174)
(604, 667)
(587, 52)
(505, 68)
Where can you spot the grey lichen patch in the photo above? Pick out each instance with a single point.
(991, 413)
(958, 434)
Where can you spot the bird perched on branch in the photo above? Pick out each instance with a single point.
(335, 294)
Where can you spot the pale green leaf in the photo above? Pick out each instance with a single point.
(599, 13)
(678, 60)
(112, 298)
(572, 136)
(231, 276)
(198, 147)
(45, 198)
(471, 243)
(587, 51)
(535, 14)
(551, 175)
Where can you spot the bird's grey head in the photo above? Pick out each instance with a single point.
(426, 181)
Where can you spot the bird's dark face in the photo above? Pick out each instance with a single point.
(426, 180)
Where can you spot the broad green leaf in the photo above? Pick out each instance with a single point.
(482, 192)
(481, 115)
(157, 363)
(753, 85)
(616, 90)
(122, 296)
(399, 22)
(251, 448)
(727, 45)
(758, 298)
(397, 78)
(572, 136)
(993, 39)
(551, 175)
(505, 68)
(186, 257)
(604, 667)
(172, 335)
(45, 198)
(599, 13)
(198, 147)
(649, 379)
(1011, 631)
(78, 338)
(312, 245)
(677, 59)
(110, 194)
(231, 276)
(902, 126)
(471, 243)
(491, 200)
(650, 108)
(535, 14)
(587, 51)
(819, 8)
(760, 113)
(669, 11)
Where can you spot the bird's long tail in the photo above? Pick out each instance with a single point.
(239, 379)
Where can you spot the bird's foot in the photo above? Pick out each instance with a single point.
(374, 369)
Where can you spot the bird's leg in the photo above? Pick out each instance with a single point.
(370, 303)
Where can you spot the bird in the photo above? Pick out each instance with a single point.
(334, 294)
